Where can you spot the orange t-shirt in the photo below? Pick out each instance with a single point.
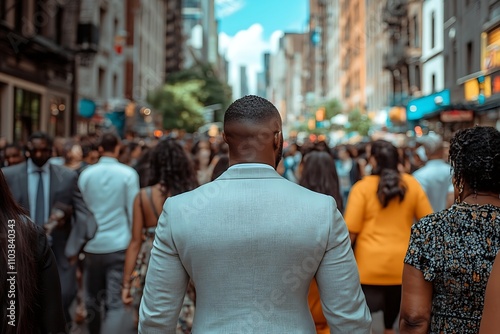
(383, 234)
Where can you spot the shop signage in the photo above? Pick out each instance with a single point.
(451, 116)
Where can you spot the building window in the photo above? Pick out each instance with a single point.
(102, 25)
(27, 112)
(102, 84)
(433, 83)
(469, 58)
(19, 14)
(116, 89)
(416, 32)
(59, 21)
(433, 30)
(417, 77)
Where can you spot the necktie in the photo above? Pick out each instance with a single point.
(40, 202)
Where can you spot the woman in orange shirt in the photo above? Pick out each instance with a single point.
(379, 214)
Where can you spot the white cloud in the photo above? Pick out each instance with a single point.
(247, 48)
(224, 8)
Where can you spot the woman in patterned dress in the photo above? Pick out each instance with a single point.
(172, 174)
(451, 252)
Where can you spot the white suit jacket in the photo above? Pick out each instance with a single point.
(252, 242)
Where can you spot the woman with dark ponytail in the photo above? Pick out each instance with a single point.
(172, 173)
(379, 214)
(30, 290)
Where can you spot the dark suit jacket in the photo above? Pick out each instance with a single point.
(70, 238)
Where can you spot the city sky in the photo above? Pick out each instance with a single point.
(248, 28)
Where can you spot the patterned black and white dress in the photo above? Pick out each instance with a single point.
(455, 250)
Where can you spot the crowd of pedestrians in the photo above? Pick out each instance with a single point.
(223, 219)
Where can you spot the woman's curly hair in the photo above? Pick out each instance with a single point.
(390, 185)
(172, 168)
(475, 158)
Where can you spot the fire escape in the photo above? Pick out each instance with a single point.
(396, 61)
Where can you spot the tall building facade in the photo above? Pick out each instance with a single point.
(316, 48)
(353, 54)
(243, 81)
(201, 35)
(378, 81)
(174, 38)
(432, 46)
(332, 44)
(146, 61)
(461, 66)
(38, 42)
(101, 80)
(192, 30)
(288, 79)
(472, 57)
(402, 59)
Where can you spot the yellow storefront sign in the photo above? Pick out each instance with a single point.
(490, 49)
(472, 88)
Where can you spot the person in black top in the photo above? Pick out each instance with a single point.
(30, 290)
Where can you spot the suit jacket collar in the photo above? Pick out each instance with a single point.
(257, 172)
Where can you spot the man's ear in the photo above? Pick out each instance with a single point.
(224, 137)
(277, 140)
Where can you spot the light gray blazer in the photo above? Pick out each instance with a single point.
(252, 242)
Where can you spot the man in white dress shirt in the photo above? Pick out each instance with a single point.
(108, 188)
(252, 242)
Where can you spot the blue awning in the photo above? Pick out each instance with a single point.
(427, 106)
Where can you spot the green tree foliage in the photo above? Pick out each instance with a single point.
(182, 98)
(359, 122)
(212, 90)
(180, 105)
(332, 108)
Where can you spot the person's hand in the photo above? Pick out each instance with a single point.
(126, 297)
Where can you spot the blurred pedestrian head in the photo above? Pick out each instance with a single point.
(171, 168)
(475, 159)
(320, 174)
(90, 153)
(253, 131)
(13, 154)
(109, 144)
(433, 145)
(72, 152)
(39, 148)
(384, 158)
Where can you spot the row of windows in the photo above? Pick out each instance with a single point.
(44, 19)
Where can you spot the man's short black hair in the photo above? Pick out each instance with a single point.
(251, 108)
(43, 136)
(109, 141)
